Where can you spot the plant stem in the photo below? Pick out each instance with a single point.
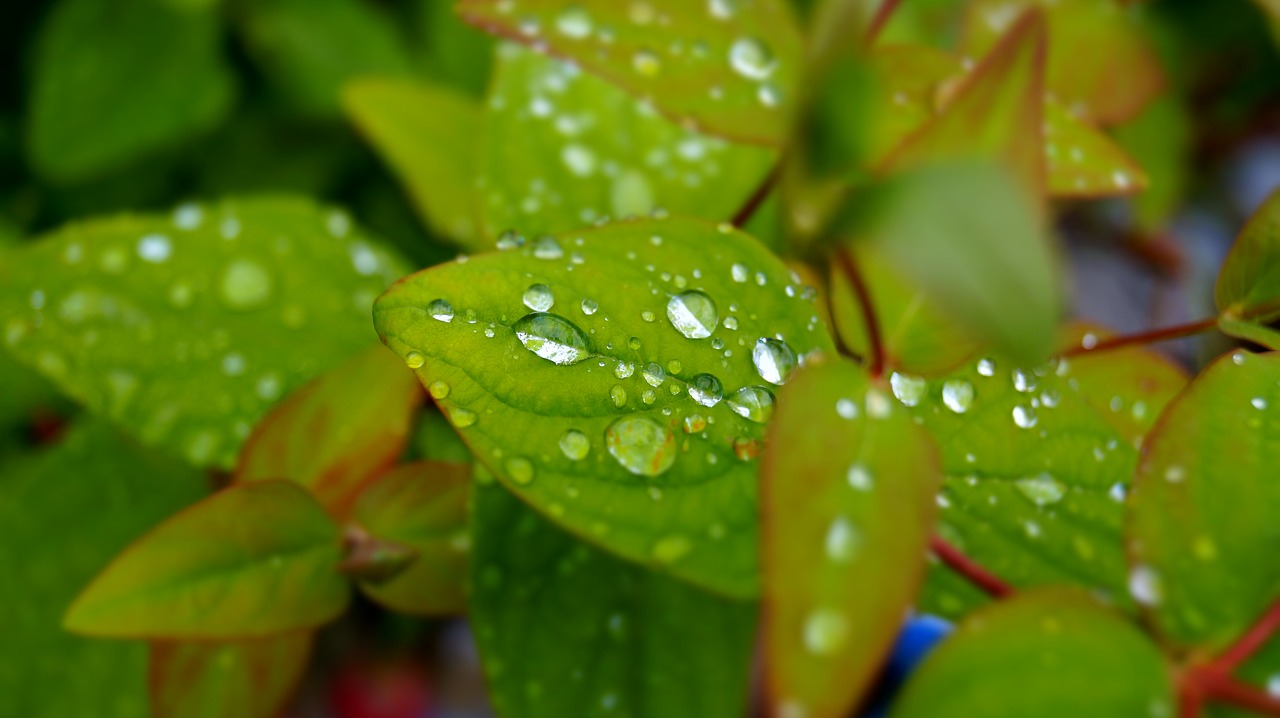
(1225, 689)
(1148, 337)
(879, 20)
(1250, 642)
(968, 568)
(875, 346)
(757, 198)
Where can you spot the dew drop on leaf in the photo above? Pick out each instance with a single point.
(859, 477)
(740, 273)
(574, 23)
(589, 306)
(1041, 490)
(641, 445)
(751, 58)
(245, 284)
(440, 310)
(1024, 381)
(654, 374)
(693, 314)
(462, 418)
(842, 540)
(1024, 416)
(624, 369)
(519, 469)
(546, 247)
(538, 297)
(908, 389)
(553, 338)
(1145, 585)
(825, 631)
(987, 367)
(618, 396)
(438, 389)
(154, 248)
(775, 361)
(957, 395)
(706, 390)
(754, 403)
(414, 360)
(646, 63)
(575, 445)
(846, 408)
(671, 549)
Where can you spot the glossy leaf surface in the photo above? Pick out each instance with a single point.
(242, 679)
(568, 630)
(184, 328)
(730, 68)
(621, 383)
(1249, 281)
(848, 497)
(336, 433)
(423, 506)
(248, 561)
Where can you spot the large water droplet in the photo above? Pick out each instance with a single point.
(957, 395)
(775, 361)
(1042, 489)
(752, 402)
(654, 374)
(706, 390)
(245, 284)
(538, 297)
(908, 389)
(1024, 416)
(438, 389)
(553, 338)
(987, 367)
(825, 631)
(1024, 381)
(440, 310)
(575, 445)
(693, 314)
(751, 58)
(618, 396)
(643, 446)
(589, 306)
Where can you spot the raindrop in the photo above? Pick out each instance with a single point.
(618, 396)
(462, 418)
(859, 477)
(245, 284)
(510, 239)
(654, 374)
(546, 247)
(842, 540)
(1145, 585)
(154, 248)
(693, 314)
(574, 22)
(752, 402)
(438, 389)
(641, 445)
(1024, 416)
(646, 63)
(775, 361)
(624, 369)
(987, 367)
(1258, 403)
(538, 297)
(414, 360)
(440, 310)
(694, 423)
(825, 631)
(751, 58)
(740, 273)
(908, 389)
(878, 406)
(706, 390)
(671, 549)
(589, 306)
(575, 445)
(520, 470)
(846, 408)
(957, 395)
(1024, 381)
(553, 338)
(1042, 489)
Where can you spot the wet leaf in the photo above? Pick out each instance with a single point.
(65, 511)
(848, 492)
(1259, 334)
(426, 134)
(1202, 523)
(185, 328)
(451, 51)
(563, 149)
(1100, 65)
(309, 49)
(423, 506)
(573, 377)
(730, 68)
(88, 116)
(248, 561)
(251, 678)
(978, 250)
(1049, 653)
(1249, 281)
(338, 432)
(567, 630)
(1082, 162)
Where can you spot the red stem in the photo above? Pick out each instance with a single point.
(880, 19)
(1250, 642)
(876, 347)
(968, 568)
(1148, 337)
(1225, 689)
(757, 198)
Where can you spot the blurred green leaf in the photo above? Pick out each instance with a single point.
(968, 237)
(567, 630)
(1082, 162)
(309, 49)
(563, 149)
(1259, 334)
(848, 490)
(422, 506)
(1160, 140)
(250, 560)
(251, 678)
(338, 432)
(115, 80)
(1202, 526)
(1249, 281)
(731, 69)
(591, 421)
(65, 512)
(1048, 653)
(427, 136)
(434, 439)
(185, 328)
(450, 51)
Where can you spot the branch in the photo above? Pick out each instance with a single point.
(1250, 642)
(875, 346)
(1148, 337)
(968, 568)
(879, 20)
(757, 198)
(1225, 689)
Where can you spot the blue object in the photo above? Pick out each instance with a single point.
(916, 639)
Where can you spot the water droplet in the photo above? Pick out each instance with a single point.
(751, 58)
(510, 239)
(908, 389)
(731, 323)
(1258, 403)
(1145, 585)
(553, 338)
(546, 247)
(825, 631)
(752, 402)
(670, 549)
(740, 273)
(842, 540)
(987, 366)
(721, 9)
(694, 423)
(1238, 358)
(693, 314)
(674, 367)
(574, 23)
(462, 418)
(641, 445)
(1024, 381)
(575, 445)
(1024, 416)
(624, 369)
(589, 306)
(878, 406)
(618, 395)
(414, 360)
(859, 477)
(775, 361)
(520, 470)
(1175, 474)
(245, 284)
(957, 395)
(646, 63)
(538, 297)
(706, 390)
(846, 408)
(1041, 490)
(440, 310)
(648, 397)
(438, 389)
(154, 248)
(654, 374)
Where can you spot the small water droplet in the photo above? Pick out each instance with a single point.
(775, 360)
(538, 297)
(1258, 403)
(740, 273)
(908, 389)
(624, 369)
(1024, 381)
(440, 310)
(575, 445)
(641, 445)
(670, 549)
(654, 374)
(754, 403)
(1042, 489)
(438, 389)
(859, 477)
(693, 314)
(752, 58)
(987, 366)
(1145, 585)
(154, 248)
(414, 360)
(462, 418)
(646, 63)
(878, 406)
(706, 390)
(618, 396)
(510, 239)
(589, 306)
(957, 395)
(520, 470)
(553, 338)
(546, 247)
(825, 631)
(842, 540)
(574, 23)
(245, 284)
(694, 423)
(846, 408)
(1024, 416)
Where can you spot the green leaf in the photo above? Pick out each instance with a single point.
(1083, 162)
(337, 433)
(434, 439)
(563, 148)
(426, 134)
(978, 250)
(848, 486)
(1160, 140)
(185, 328)
(1050, 654)
(65, 511)
(248, 561)
(1202, 526)
(115, 80)
(422, 506)
(732, 69)
(309, 49)
(452, 52)
(571, 418)
(1259, 334)
(1249, 281)
(567, 630)
(240, 679)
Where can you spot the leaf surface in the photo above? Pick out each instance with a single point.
(1249, 282)
(241, 679)
(570, 376)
